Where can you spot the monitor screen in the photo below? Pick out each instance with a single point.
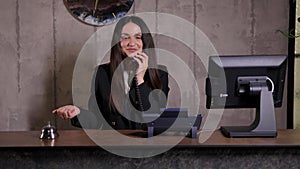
(223, 73)
(247, 81)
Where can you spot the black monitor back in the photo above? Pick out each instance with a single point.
(223, 71)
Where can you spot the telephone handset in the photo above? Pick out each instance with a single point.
(132, 65)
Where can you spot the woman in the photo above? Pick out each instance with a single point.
(131, 42)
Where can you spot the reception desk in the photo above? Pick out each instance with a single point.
(79, 138)
(74, 149)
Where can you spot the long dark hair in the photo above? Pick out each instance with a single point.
(116, 55)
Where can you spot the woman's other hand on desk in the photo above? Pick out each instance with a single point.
(67, 112)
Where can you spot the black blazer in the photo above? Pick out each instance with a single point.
(100, 96)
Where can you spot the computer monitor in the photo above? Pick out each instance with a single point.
(247, 81)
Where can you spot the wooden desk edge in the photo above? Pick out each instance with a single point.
(79, 139)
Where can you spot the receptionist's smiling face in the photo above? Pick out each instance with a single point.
(131, 39)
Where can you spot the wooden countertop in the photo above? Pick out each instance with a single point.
(80, 138)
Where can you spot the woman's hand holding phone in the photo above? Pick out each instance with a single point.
(142, 60)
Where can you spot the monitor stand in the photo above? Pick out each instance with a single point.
(264, 124)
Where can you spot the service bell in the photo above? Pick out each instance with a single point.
(49, 132)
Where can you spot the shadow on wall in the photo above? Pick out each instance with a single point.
(297, 94)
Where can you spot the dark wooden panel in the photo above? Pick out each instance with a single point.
(78, 138)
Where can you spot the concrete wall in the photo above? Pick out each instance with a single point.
(40, 42)
(297, 72)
